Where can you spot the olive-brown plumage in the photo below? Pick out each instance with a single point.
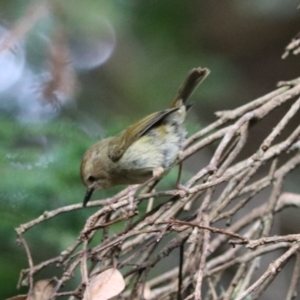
(135, 154)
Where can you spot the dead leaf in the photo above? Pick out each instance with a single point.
(42, 290)
(105, 285)
(147, 292)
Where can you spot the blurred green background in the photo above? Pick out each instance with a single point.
(76, 71)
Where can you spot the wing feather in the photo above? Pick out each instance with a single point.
(121, 142)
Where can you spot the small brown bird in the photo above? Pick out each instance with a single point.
(145, 149)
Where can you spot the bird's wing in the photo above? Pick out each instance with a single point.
(121, 142)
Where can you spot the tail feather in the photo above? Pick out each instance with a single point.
(192, 80)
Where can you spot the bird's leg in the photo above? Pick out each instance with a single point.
(157, 173)
(126, 193)
(180, 186)
(148, 184)
(131, 192)
(156, 176)
(149, 187)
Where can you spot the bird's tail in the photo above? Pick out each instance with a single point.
(192, 80)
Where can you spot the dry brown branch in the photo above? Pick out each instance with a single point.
(273, 269)
(61, 84)
(221, 190)
(292, 293)
(19, 30)
(292, 47)
(204, 253)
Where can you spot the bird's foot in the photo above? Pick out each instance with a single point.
(130, 196)
(182, 190)
(157, 173)
(152, 182)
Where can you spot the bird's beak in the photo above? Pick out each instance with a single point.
(88, 196)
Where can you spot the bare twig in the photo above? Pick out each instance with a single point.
(225, 185)
(272, 269)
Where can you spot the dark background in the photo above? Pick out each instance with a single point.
(125, 59)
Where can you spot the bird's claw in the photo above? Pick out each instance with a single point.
(158, 172)
(183, 191)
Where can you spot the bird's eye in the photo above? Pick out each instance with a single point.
(91, 179)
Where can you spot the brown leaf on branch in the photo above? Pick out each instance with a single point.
(42, 290)
(105, 285)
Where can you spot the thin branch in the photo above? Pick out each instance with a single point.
(272, 269)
